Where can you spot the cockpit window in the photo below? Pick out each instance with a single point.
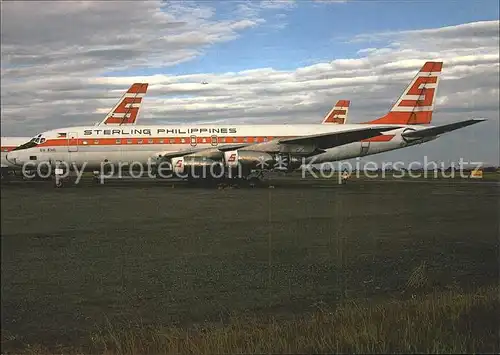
(32, 143)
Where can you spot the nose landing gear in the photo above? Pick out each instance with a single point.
(59, 177)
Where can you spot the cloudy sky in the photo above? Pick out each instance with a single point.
(66, 63)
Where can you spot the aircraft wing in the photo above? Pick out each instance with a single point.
(227, 147)
(335, 139)
(180, 153)
(319, 141)
(434, 131)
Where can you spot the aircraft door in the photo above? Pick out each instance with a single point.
(193, 141)
(72, 142)
(365, 147)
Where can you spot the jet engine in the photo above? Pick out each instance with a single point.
(410, 140)
(196, 167)
(248, 159)
(255, 160)
(287, 162)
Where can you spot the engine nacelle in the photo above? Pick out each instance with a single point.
(250, 160)
(178, 165)
(287, 162)
(196, 167)
(410, 140)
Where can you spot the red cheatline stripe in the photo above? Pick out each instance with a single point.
(174, 140)
(7, 148)
(154, 140)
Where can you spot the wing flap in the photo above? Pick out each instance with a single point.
(320, 141)
(335, 139)
(434, 131)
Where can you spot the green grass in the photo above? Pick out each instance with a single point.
(77, 259)
(444, 322)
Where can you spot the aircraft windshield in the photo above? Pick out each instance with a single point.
(32, 143)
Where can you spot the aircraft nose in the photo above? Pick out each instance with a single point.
(12, 158)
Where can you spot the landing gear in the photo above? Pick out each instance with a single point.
(254, 181)
(344, 177)
(58, 183)
(95, 178)
(255, 178)
(58, 177)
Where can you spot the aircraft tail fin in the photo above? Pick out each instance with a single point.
(338, 114)
(416, 104)
(127, 109)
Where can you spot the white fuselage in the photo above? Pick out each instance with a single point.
(90, 146)
(8, 144)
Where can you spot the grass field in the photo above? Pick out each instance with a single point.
(82, 267)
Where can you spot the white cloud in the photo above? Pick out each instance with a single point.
(54, 71)
(86, 37)
(473, 33)
(331, 1)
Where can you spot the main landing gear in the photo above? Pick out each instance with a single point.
(254, 179)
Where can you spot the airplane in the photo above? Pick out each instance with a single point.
(191, 149)
(125, 112)
(412, 111)
(338, 114)
(7, 144)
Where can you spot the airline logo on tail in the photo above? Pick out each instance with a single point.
(127, 109)
(338, 114)
(416, 104)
